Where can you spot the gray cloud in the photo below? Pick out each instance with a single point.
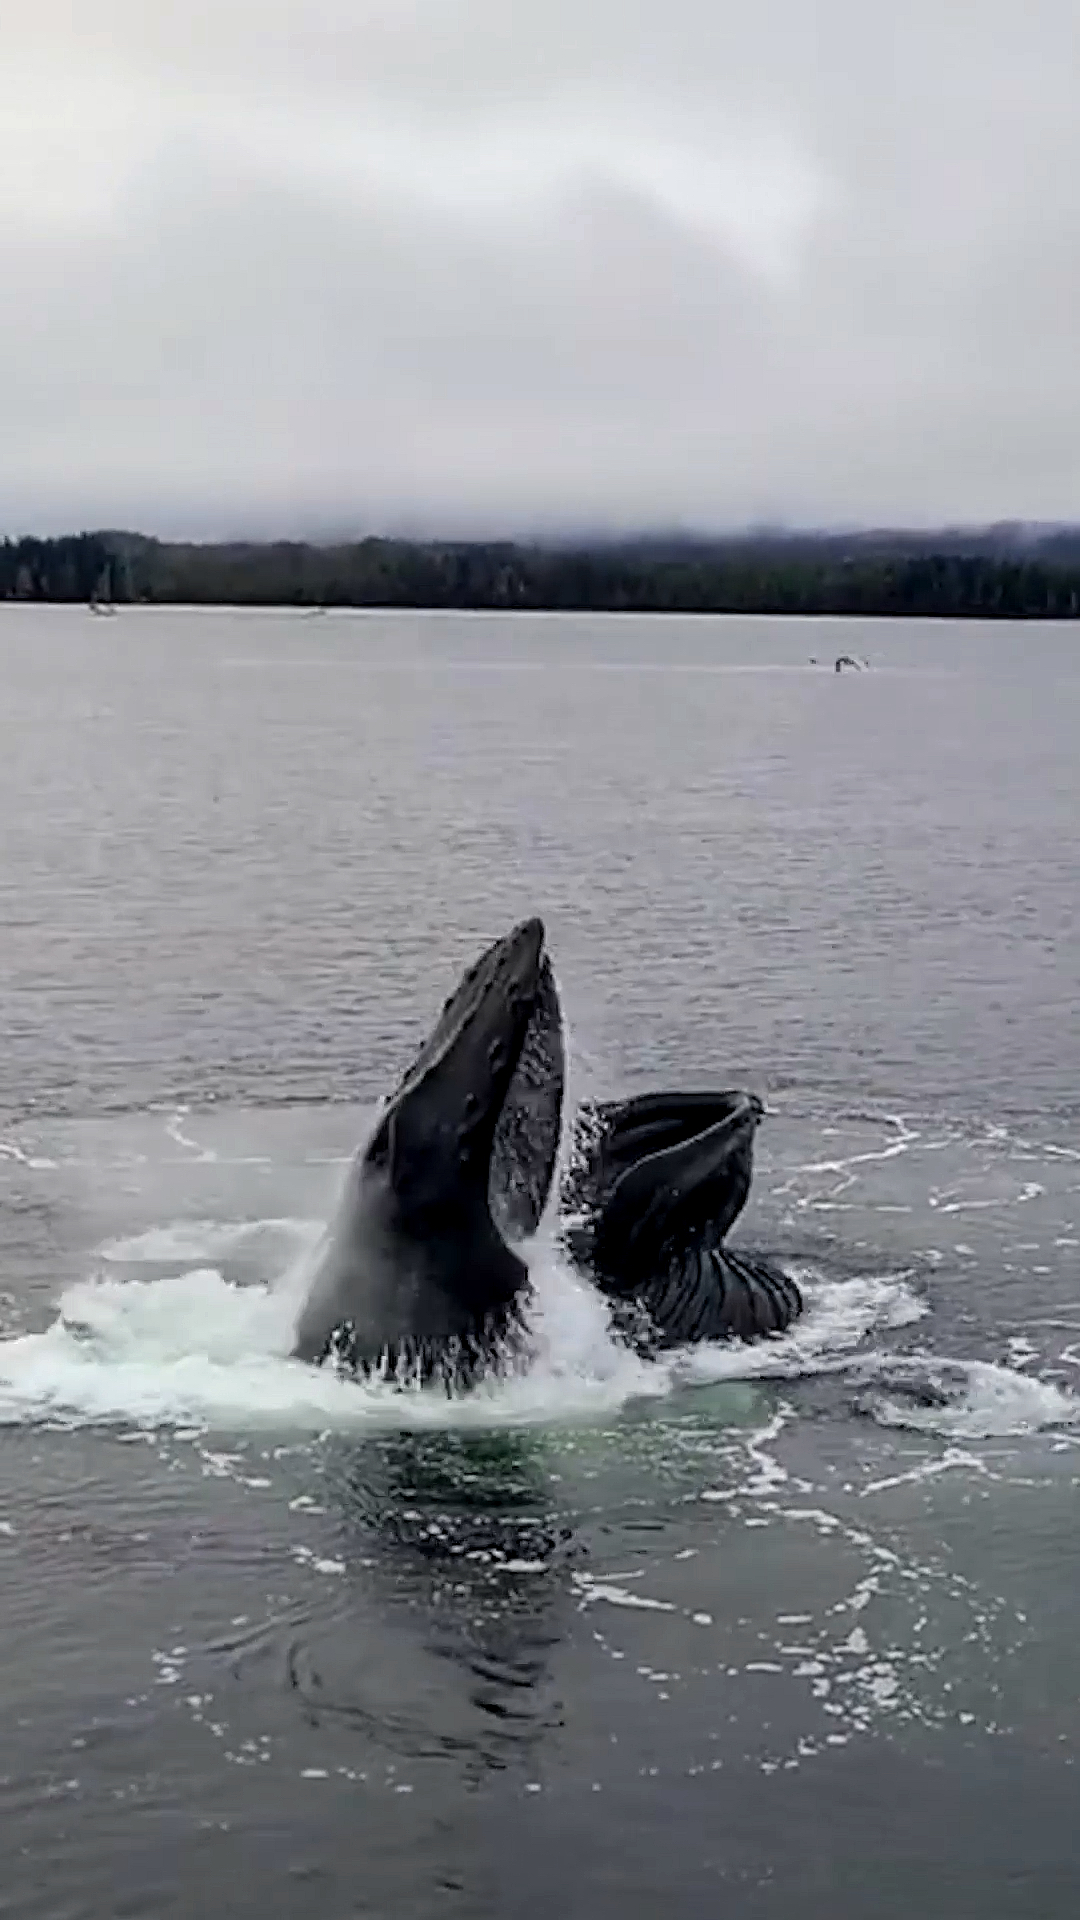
(458, 265)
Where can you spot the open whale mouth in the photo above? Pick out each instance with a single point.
(691, 1126)
(660, 1175)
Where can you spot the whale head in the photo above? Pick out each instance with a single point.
(659, 1175)
(434, 1141)
(460, 1159)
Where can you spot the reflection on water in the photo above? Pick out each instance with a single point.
(448, 1538)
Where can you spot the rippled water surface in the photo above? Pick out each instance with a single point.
(792, 1629)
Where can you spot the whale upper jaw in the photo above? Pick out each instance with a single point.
(433, 1142)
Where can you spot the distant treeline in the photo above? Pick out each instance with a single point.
(992, 574)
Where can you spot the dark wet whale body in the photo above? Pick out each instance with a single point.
(417, 1276)
(653, 1188)
(414, 1277)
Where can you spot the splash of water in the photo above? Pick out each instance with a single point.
(966, 1399)
(196, 1349)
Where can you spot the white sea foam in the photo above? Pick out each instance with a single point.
(969, 1399)
(195, 1349)
(838, 1318)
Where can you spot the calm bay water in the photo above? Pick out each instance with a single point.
(793, 1630)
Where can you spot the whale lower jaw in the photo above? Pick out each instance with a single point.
(708, 1294)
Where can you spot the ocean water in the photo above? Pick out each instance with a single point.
(789, 1629)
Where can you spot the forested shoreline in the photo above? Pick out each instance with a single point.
(988, 574)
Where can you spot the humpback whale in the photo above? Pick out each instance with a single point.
(415, 1275)
(653, 1187)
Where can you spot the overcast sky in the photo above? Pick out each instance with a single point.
(491, 265)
